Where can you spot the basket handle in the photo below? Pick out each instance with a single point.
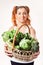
(17, 33)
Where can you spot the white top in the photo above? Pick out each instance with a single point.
(25, 28)
(19, 61)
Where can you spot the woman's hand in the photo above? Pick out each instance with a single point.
(36, 54)
(8, 53)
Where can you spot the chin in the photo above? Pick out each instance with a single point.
(22, 21)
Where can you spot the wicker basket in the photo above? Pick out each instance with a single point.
(22, 54)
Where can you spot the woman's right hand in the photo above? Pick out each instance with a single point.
(8, 53)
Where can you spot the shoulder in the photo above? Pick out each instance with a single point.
(12, 27)
(32, 31)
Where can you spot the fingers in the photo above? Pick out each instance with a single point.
(6, 47)
(10, 55)
(36, 55)
(8, 52)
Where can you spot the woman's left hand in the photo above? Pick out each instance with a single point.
(35, 55)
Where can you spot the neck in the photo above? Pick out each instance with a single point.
(19, 24)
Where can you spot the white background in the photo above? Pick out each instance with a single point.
(36, 14)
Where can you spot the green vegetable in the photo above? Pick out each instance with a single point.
(25, 44)
(17, 47)
(35, 46)
(19, 36)
(5, 36)
(22, 42)
(27, 36)
(8, 35)
(9, 43)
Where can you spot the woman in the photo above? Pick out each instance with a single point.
(20, 16)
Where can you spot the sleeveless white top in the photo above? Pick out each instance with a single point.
(25, 29)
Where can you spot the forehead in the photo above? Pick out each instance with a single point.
(21, 10)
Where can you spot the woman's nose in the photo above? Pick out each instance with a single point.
(22, 15)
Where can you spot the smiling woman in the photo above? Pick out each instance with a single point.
(20, 16)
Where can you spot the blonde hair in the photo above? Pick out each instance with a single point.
(15, 11)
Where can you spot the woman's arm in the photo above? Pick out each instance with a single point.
(12, 27)
(8, 53)
(32, 32)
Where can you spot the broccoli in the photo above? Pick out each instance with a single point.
(27, 36)
(35, 46)
(19, 36)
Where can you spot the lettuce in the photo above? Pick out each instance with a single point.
(8, 35)
(25, 44)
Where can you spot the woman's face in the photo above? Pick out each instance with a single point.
(21, 15)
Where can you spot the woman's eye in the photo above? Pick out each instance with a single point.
(24, 13)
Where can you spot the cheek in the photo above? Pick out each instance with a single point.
(25, 16)
(17, 17)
